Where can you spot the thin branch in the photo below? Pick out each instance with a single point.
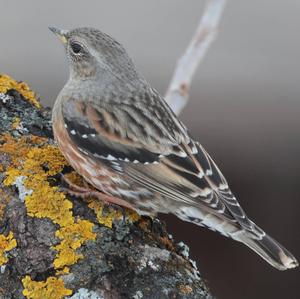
(178, 91)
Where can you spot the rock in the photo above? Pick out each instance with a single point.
(54, 246)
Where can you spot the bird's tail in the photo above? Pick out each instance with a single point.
(269, 249)
(251, 235)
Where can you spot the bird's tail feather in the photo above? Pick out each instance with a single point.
(269, 249)
(254, 237)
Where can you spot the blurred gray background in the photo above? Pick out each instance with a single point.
(244, 108)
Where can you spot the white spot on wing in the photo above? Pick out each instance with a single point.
(110, 157)
(201, 174)
(73, 132)
(206, 192)
(182, 154)
(194, 150)
(116, 166)
(84, 136)
(223, 186)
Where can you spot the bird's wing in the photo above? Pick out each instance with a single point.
(154, 149)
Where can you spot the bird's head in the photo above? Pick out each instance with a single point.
(94, 54)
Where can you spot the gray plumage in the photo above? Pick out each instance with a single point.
(122, 137)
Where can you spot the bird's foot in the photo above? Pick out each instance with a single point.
(86, 192)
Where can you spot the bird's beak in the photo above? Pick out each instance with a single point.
(61, 34)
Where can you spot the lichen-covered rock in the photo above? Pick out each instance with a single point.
(54, 246)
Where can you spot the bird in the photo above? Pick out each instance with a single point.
(121, 136)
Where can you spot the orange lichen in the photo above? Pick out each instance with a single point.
(7, 83)
(45, 201)
(106, 218)
(7, 243)
(185, 289)
(36, 162)
(144, 225)
(63, 271)
(52, 288)
(75, 178)
(36, 165)
(16, 123)
(72, 236)
(108, 215)
(168, 243)
(132, 215)
(18, 148)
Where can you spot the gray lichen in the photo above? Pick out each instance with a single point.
(86, 294)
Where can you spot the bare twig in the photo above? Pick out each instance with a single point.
(178, 91)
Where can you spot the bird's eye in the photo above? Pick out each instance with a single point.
(76, 48)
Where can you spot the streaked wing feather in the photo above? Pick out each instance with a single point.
(219, 184)
(88, 140)
(114, 133)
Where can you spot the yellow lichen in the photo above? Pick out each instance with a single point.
(7, 83)
(72, 236)
(7, 243)
(16, 123)
(132, 215)
(36, 162)
(74, 178)
(37, 165)
(52, 288)
(45, 201)
(18, 149)
(63, 271)
(107, 216)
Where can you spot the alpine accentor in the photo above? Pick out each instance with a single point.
(122, 137)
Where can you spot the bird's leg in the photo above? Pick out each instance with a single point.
(85, 192)
(72, 187)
